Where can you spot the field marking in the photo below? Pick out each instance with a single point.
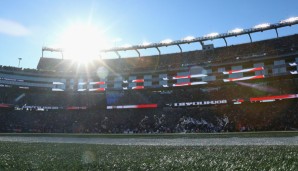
(157, 142)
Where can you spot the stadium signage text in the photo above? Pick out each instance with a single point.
(10, 79)
(38, 108)
(198, 103)
(3, 85)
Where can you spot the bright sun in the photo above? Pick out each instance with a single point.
(82, 42)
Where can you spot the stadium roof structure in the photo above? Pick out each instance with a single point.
(235, 32)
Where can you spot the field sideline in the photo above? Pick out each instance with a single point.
(165, 135)
(83, 156)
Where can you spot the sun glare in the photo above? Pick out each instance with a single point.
(82, 42)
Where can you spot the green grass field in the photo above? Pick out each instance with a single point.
(59, 156)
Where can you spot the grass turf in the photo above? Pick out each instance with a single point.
(51, 156)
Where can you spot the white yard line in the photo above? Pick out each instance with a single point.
(157, 142)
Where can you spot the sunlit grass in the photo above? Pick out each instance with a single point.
(50, 156)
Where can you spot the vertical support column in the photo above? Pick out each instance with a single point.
(179, 48)
(276, 33)
(159, 53)
(138, 52)
(225, 41)
(117, 54)
(250, 37)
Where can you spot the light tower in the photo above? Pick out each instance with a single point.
(19, 62)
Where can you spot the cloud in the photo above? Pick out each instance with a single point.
(13, 28)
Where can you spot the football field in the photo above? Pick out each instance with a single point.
(226, 151)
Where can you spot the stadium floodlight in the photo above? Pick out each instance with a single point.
(166, 41)
(19, 62)
(236, 30)
(262, 26)
(290, 20)
(211, 35)
(188, 38)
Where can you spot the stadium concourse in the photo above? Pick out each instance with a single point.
(245, 87)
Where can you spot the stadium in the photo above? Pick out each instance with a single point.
(245, 87)
(248, 87)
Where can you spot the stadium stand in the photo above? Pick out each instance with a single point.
(245, 87)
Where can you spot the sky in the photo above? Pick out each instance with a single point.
(27, 26)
